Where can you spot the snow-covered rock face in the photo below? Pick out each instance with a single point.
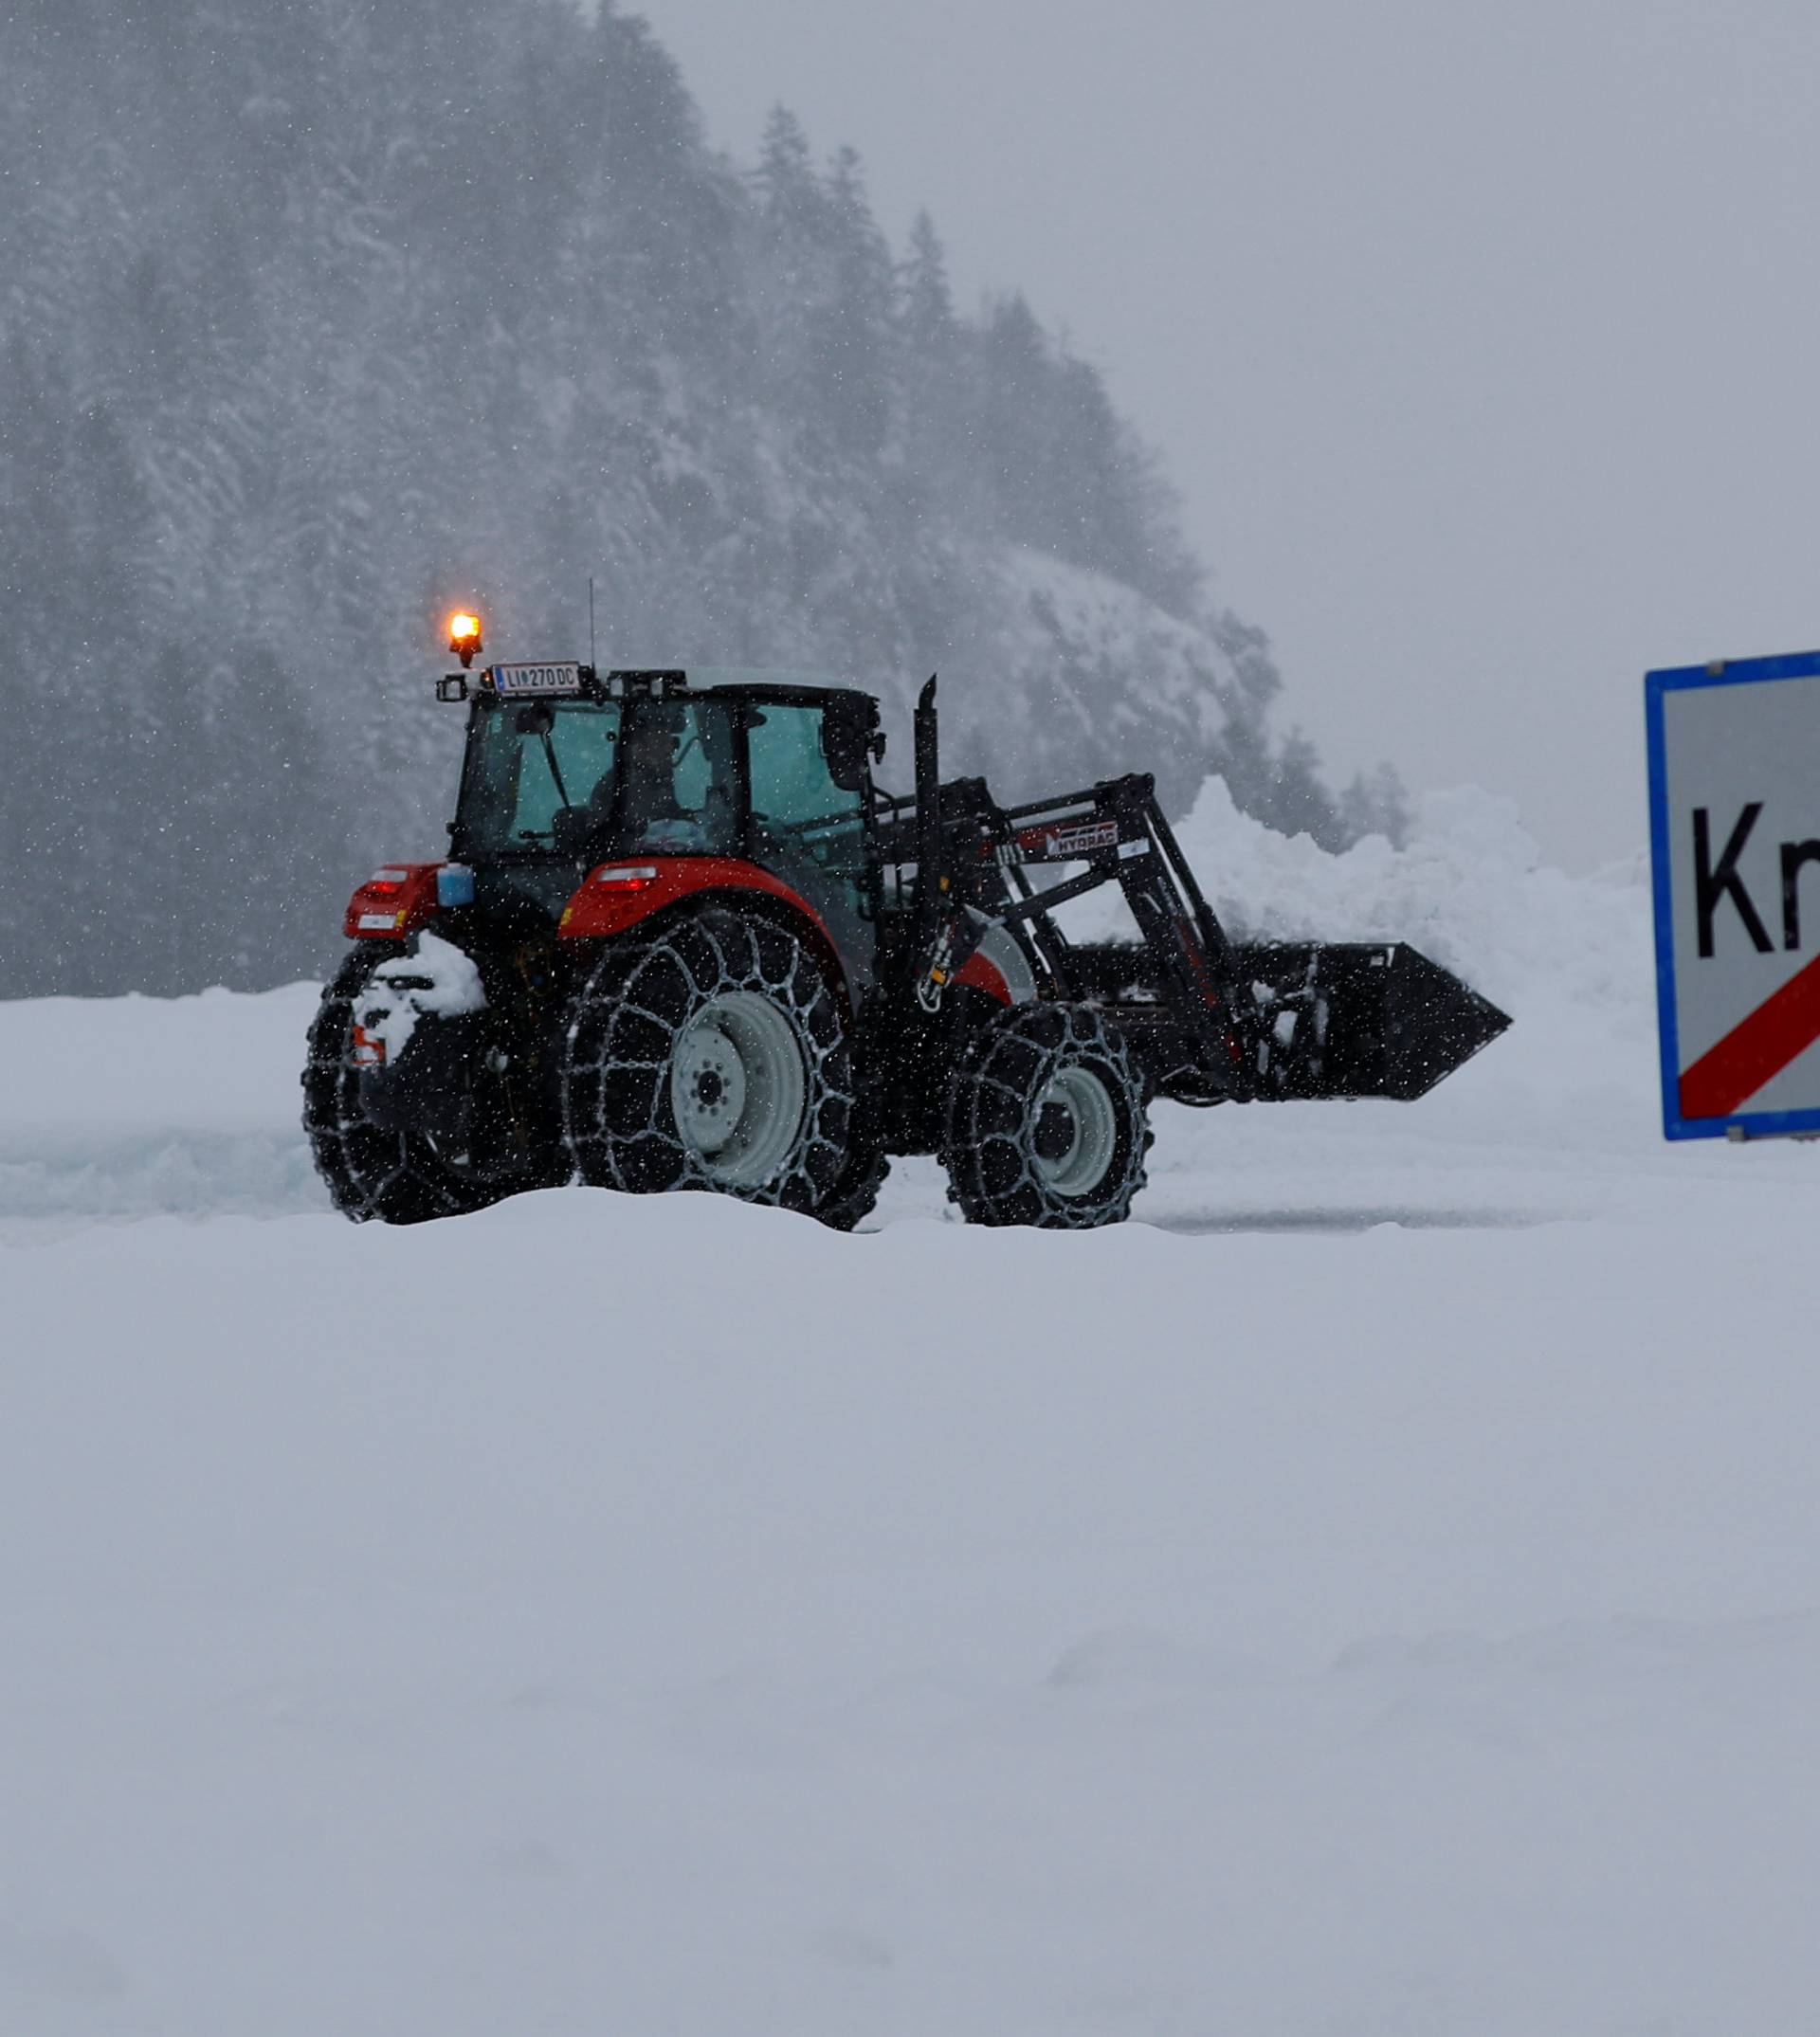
(440, 980)
(1062, 613)
(1075, 676)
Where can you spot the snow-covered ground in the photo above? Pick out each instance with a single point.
(1376, 1593)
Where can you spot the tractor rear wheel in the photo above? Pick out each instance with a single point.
(1046, 1122)
(397, 1177)
(712, 1054)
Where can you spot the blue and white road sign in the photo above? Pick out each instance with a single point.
(1735, 848)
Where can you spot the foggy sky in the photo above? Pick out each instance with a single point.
(1479, 339)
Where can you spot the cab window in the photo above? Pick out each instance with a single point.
(532, 761)
(801, 820)
(679, 782)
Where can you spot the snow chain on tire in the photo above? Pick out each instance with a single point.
(370, 1172)
(1046, 1122)
(703, 1016)
(855, 1194)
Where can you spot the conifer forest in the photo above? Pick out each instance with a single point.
(318, 318)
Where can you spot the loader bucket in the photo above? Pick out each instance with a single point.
(1357, 1019)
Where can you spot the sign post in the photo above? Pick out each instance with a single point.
(1734, 849)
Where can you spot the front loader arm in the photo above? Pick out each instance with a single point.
(974, 860)
(1214, 1020)
(1119, 830)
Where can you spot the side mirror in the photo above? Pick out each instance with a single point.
(452, 689)
(849, 738)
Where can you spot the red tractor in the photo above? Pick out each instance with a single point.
(685, 942)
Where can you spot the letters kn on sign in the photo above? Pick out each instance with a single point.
(1735, 843)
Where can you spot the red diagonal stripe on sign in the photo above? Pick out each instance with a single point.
(1759, 1047)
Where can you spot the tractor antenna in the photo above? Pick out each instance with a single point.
(590, 619)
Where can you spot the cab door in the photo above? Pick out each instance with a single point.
(809, 827)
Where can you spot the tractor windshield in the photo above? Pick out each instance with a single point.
(540, 774)
(587, 778)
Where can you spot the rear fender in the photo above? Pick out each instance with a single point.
(616, 896)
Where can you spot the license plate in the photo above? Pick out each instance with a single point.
(539, 678)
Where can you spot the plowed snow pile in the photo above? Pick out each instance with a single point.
(1380, 1593)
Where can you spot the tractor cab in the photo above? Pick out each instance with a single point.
(566, 771)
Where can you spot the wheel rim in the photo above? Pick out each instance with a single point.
(738, 1088)
(1076, 1132)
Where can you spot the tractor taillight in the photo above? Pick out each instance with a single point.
(625, 877)
(394, 902)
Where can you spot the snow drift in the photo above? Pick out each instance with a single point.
(1378, 1593)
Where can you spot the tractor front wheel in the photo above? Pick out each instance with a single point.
(1046, 1122)
(712, 1054)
